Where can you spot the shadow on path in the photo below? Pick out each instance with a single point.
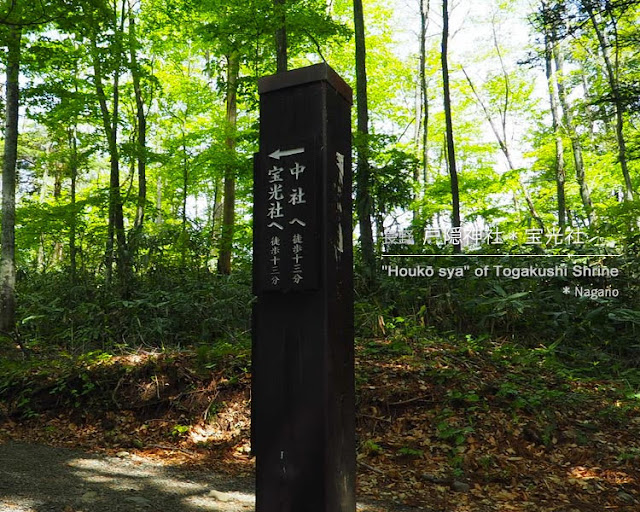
(36, 478)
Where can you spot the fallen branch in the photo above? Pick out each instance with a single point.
(410, 400)
(371, 468)
(388, 420)
(115, 391)
(174, 448)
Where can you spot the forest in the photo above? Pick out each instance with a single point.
(496, 231)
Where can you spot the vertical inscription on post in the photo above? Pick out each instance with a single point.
(287, 214)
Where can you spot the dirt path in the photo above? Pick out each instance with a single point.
(37, 478)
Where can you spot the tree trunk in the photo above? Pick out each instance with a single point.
(424, 18)
(216, 214)
(9, 164)
(556, 125)
(363, 171)
(612, 78)
(281, 35)
(73, 168)
(141, 143)
(576, 145)
(185, 184)
(451, 154)
(228, 207)
(110, 125)
(116, 199)
(40, 264)
(159, 200)
(422, 121)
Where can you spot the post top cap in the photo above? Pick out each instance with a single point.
(309, 74)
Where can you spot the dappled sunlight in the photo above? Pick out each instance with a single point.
(218, 501)
(92, 483)
(99, 466)
(584, 473)
(95, 479)
(203, 433)
(21, 504)
(618, 478)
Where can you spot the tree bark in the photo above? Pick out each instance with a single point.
(185, 185)
(576, 145)
(159, 200)
(424, 98)
(363, 171)
(110, 125)
(281, 35)
(556, 125)
(141, 119)
(73, 168)
(451, 153)
(9, 165)
(612, 78)
(228, 206)
(216, 214)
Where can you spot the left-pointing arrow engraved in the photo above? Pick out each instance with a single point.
(288, 152)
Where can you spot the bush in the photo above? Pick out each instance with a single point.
(166, 308)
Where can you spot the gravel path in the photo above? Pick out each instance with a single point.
(37, 478)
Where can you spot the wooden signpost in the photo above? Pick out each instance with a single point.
(303, 427)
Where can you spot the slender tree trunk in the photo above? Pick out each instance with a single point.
(281, 35)
(216, 216)
(9, 164)
(141, 143)
(612, 77)
(424, 19)
(576, 145)
(116, 200)
(40, 264)
(72, 135)
(185, 184)
(418, 186)
(110, 123)
(422, 119)
(228, 207)
(451, 153)
(73, 168)
(58, 247)
(556, 125)
(159, 200)
(363, 171)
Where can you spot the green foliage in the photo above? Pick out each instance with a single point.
(27, 387)
(406, 451)
(218, 354)
(180, 430)
(370, 447)
(452, 433)
(168, 308)
(391, 349)
(532, 310)
(633, 455)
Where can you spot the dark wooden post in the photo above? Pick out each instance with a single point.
(303, 423)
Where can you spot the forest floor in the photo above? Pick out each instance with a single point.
(444, 425)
